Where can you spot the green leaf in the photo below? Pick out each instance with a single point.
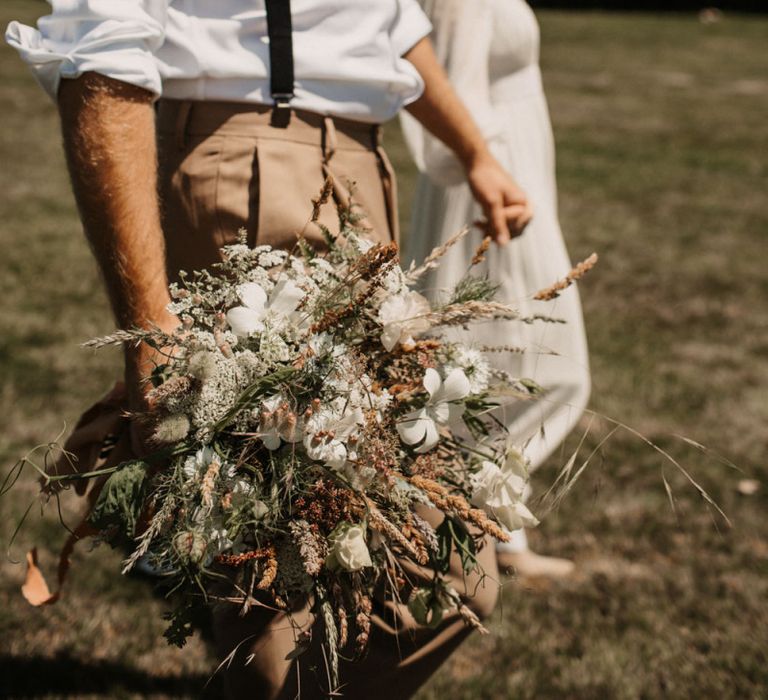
(306, 249)
(442, 558)
(121, 499)
(263, 385)
(452, 534)
(183, 620)
(531, 386)
(426, 608)
(464, 543)
(297, 651)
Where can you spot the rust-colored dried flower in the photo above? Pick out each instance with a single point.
(482, 249)
(363, 607)
(325, 506)
(269, 572)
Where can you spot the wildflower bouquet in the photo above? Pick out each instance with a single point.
(310, 404)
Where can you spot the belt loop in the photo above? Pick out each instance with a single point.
(330, 140)
(182, 123)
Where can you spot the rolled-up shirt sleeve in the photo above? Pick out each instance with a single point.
(412, 26)
(116, 38)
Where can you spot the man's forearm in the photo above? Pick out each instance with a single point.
(109, 138)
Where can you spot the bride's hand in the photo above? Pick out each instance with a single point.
(505, 205)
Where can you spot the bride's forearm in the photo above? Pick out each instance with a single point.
(441, 111)
(109, 139)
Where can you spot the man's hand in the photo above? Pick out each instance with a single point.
(140, 362)
(506, 208)
(440, 110)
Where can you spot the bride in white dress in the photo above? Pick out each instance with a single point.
(490, 49)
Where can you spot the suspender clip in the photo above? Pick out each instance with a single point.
(282, 99)
(281, 113)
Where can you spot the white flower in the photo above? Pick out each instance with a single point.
(402, 317)
(196, 465)
(242, 492)
(329, 430)
(218, 541)
(474, 364)
(395, 281)
(515, 461)
(326, 344)
(363, 244)
(499, 492)
(278, 422)
(272, 347)
(214, 530)
(249, 318)
(260, 509)
(350, 551)
(440, 410)
(360, 476)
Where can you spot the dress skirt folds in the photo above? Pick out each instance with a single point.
(490, 49)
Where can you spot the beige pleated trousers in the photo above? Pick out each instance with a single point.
(224, 167)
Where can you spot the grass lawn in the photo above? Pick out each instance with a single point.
(663, 169)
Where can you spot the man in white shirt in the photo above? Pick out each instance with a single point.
(234, 151)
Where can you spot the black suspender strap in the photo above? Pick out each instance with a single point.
(280, 32)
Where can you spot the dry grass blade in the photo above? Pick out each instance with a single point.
(568, 480)
(573, 276)
(700, 489)
(709, 452)
(431, 261)
(468, 311)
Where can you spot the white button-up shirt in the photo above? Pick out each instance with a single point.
(347, 53)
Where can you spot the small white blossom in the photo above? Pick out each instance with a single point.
(278, 423)
(273, 348)
(403, 317)
(269, 257)
(420, 426)
(350, 550)
(196, 465)
(328, 430)
(281, 304)
(500, 491)
(473, 364)
(220, 392)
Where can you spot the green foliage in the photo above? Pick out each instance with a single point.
(426, 607)
(473, 288)
(183, 620)
(118, 504)
(453, 536)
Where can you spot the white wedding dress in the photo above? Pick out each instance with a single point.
(490, 49)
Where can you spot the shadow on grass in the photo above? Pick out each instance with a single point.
(63, 676)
